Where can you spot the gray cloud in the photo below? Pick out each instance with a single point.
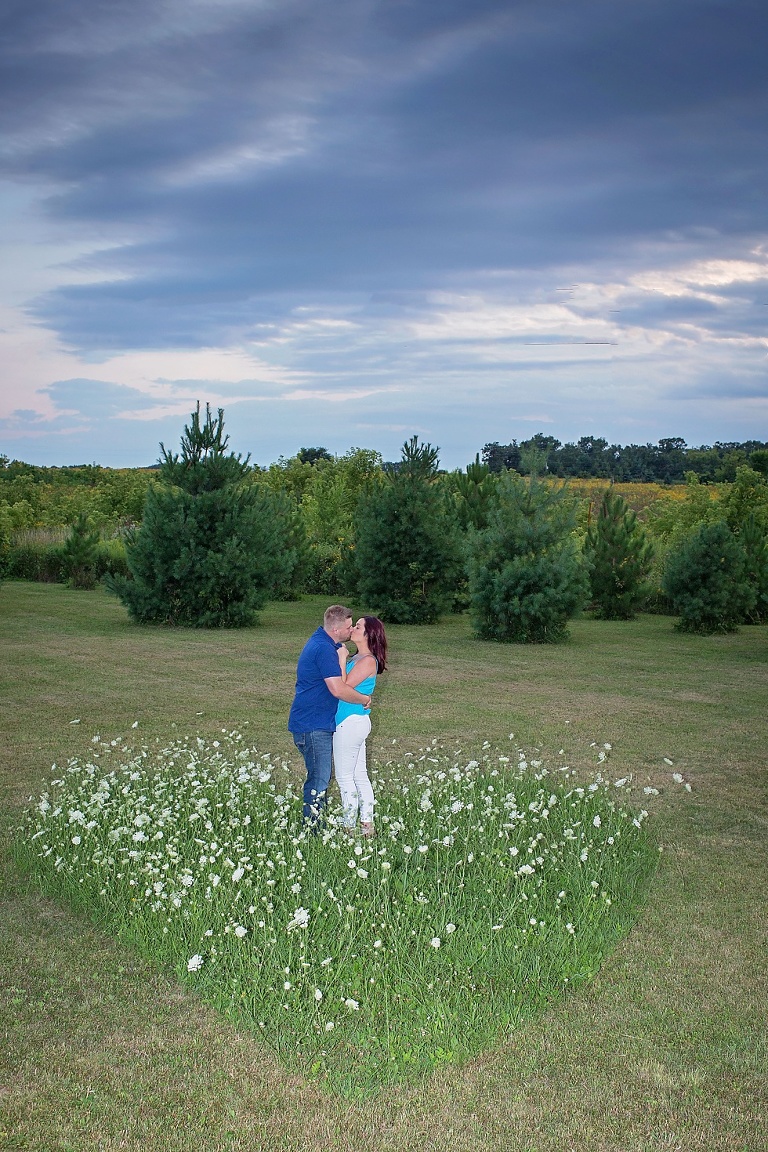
(231, 165)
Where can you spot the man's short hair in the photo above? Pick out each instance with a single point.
(336, 615)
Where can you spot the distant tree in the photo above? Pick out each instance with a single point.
(619, 558)
(407, 553)
(526, 575)
(501, 457)
(79, 555)
(211, 547)
(758, 461)
(706, 581)
(313, 455)
(671, 460)
(538, 455)
(533, 460)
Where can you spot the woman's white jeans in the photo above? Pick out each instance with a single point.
(351, 773)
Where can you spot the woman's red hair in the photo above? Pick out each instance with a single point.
(377, 640)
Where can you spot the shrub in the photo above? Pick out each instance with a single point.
(37, 554)
(706, 581)
(526, 576)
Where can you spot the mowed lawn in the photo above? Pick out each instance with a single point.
(665, 1049)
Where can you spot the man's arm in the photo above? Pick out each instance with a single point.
(342, 691)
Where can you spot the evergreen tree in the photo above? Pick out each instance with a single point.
(706, 581)
(79, 554)
(211, 546)
(407, 547)
(526, 576)
(619, 558)
(755, 545)
(473, 493)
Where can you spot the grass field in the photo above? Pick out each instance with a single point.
(665, 1049)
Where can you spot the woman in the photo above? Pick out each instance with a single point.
(353, 723)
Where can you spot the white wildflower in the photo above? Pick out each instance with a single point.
(351, 1004)
(240, 931)
(435, 942)
(195, 963)
(300, 919)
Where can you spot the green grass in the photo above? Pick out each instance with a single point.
(664, 1049)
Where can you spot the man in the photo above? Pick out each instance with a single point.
(312, 719)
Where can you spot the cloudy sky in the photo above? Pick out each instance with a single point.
(351, 221)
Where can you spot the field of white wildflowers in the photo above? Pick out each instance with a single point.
(493, 883)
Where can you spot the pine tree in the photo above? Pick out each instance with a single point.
(755, 545)
(407, 548)
(706, 581)
(211, 547)
(473, 492)
(526, 575)
(619, 558)
(79, 554)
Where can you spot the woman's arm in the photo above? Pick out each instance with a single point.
(362, 668)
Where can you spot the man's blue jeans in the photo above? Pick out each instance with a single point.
(317, 749)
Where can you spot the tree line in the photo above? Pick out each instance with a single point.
(666, 462)
(206, 539)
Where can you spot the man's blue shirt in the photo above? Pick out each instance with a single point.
(314, 707)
